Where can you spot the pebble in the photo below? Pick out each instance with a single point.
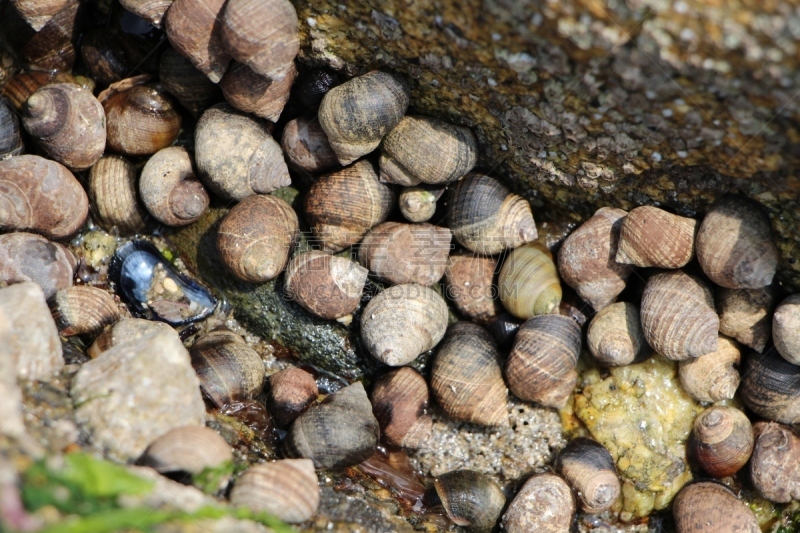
(135, 392)
(28, 333)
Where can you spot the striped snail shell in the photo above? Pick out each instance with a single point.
(735, 246)
(709, 507)
(83, 310)
(712, 377)
(771, 387)
(470, 286)
(541, 365)
(487, 218)
(427, 150)
(29, 257)
(528, 282)
(189, 449)
(652, 237)
(141, 121)
(466, 377)
(403, 321)
(115, 202)
(358, 113)
(400, 403)
(193, 28)
(287, 489)
(678, 316)
(342, 206)
(325, 285)
(721, 441)
(746, 315)
(418, 204)
(586, 259)
(615, 336)
(589, 469)
(38, 13)
(253, 93)
(470, 499)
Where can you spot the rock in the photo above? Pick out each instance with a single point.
(167, 493)
(28, 333)
(643, 416)
(579, 108)
(135, 392)
(30, 257)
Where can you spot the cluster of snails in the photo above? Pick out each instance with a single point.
(708, 287)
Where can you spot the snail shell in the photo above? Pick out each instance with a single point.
(541, 365)
(125, 331)
(188, 85)
(112, 187)
(406, 253)
(678, 316)
(712, 377)
(470, 499)
(340, 431)
(169, 189)
(402, 322)
(83, 310)
(253, 93)
(589, 469)
(38, 13)
(50, 48)
(10, 138)
(194, 29)
(786, 329)
(342, 206)
(771, 387)
(140, 121)
(427, 150)
(528, 282)
(466, 378)
(586, 259)
(287, 489)
(104, 62)
(150, 10)
(746, 315)
(487, 218)
(735, 246)
(40, 196)
(470, 286)
(327, 286)
(358, 113)
(615, 335)
(229, 369)
(313, 84)
(504, 328)
(20, 87)
(544, 504)
(708, 507)
(418, 204)
(262, 34)
(400, 404)
(236, 156)
(721, 441)
(774, 467)
(306, 145)
(291, 392)
(256, 237)
(29, 257)
(189, 449)
(652, 237)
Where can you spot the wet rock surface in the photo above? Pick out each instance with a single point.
(135, 392)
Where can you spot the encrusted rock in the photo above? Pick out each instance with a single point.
(135, 392)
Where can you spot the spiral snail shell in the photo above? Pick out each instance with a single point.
(253, 93)
(528, 282)
(399, 403)
(786, 329)
(487, 218)
(708, 507)
(140, 121)
(712, 377)
(403, 321)
(29, 257)
(256, 236)
(589, 469)
(170, 190)
(306, 146)
(10, 138)
(38, 13)
(189, 449)
(83, 310)
(470, 286)
(358, 113)
(774, 467)
(291, 392)
(771, 387)
(287, 489)
(544, 504)
(466, 377)
(746, 315)
(418, 204)
(115, 202)
(541, 365)
(325, 285)
(427, 150)
(470, 499)
(652, 237)
(586, 259)
(615, 335)
(721, 441)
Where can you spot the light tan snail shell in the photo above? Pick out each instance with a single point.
(287, 489)
(112, 187)
(528, 282)
(746, 315)
(652, 237)
(615, 336)
(83, 310)
(194, 29)
(714, 376)
(170, 190)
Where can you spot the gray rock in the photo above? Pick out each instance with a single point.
(136, 392)
(28, 333)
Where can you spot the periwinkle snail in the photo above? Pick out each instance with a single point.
(589, 468)
(707, 507)
(140, 121)
(721, 441)
(169, 188)
(470, 499)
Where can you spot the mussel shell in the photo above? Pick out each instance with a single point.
(132, 269)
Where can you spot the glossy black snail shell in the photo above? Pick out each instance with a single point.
(154, 289)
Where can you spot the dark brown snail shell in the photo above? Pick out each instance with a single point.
(190, 87)
(105, 63)
(541, 365)
(42, 196)
(229, 369)
(708, 507)
(339, 431)
(140, 121)
(467, 379)
(400, 403)
(52, 47)
(589, 469)
(256, 237)
(10, 138)
(721, 441)
(470, 499)
(771, 387)
(312, 85)
(774, 466)
(20, 87)
(253, 93)
(290, 393)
